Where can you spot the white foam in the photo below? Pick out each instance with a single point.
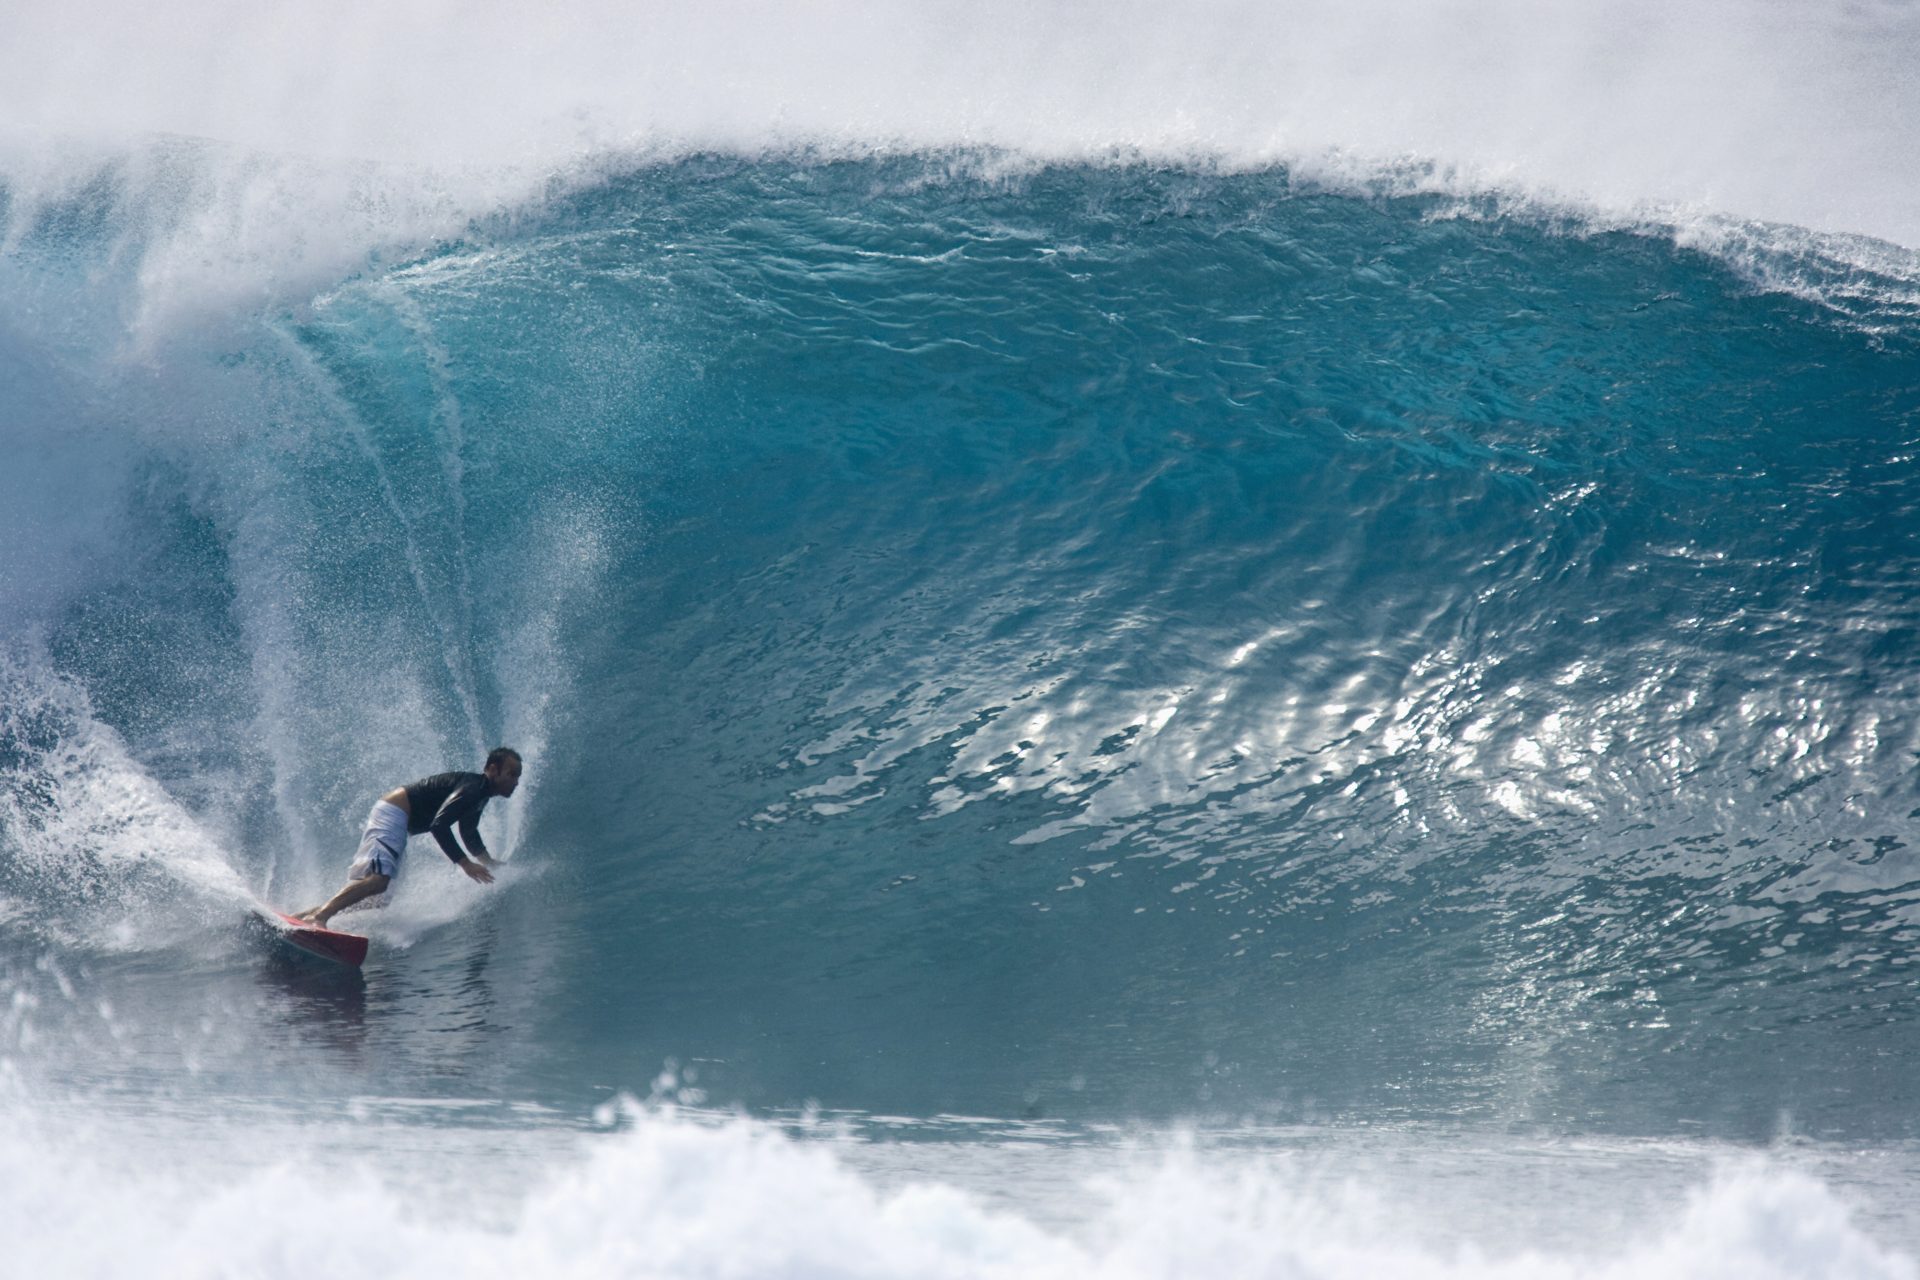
(347, 128)
(671, 1197)
(106, 850)
(1788, 111)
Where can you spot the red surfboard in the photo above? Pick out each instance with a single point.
(349, 949)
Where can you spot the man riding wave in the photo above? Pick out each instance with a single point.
(439, 805)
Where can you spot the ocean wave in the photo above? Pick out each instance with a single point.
(120, 252)
(1177, 601)
(669, 1196)
(1762, 110)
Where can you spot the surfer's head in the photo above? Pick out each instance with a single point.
(503, 770)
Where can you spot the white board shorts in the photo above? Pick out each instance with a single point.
(381, 844)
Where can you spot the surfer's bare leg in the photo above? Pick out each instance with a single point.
(357, 891)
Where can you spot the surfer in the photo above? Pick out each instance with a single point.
(438, 805)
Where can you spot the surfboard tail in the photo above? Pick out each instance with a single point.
(349, 949)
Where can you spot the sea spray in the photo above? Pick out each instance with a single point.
(683, 1196)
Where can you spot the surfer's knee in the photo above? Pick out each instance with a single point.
(376, 883)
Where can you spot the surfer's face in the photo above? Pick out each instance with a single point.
(504, 776)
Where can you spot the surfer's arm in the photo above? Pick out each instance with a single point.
(470, 835)
(443, 836)
(476, 866)
(462, 808)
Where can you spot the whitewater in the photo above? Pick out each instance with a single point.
(1242, 639)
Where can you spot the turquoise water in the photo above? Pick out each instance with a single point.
(1018, 659)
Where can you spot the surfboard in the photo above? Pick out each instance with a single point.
(349, 949)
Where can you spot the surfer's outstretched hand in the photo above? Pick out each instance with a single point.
(476, 871)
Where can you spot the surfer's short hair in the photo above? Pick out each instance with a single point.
(500, 755)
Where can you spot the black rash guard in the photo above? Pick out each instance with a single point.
(438, 803)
